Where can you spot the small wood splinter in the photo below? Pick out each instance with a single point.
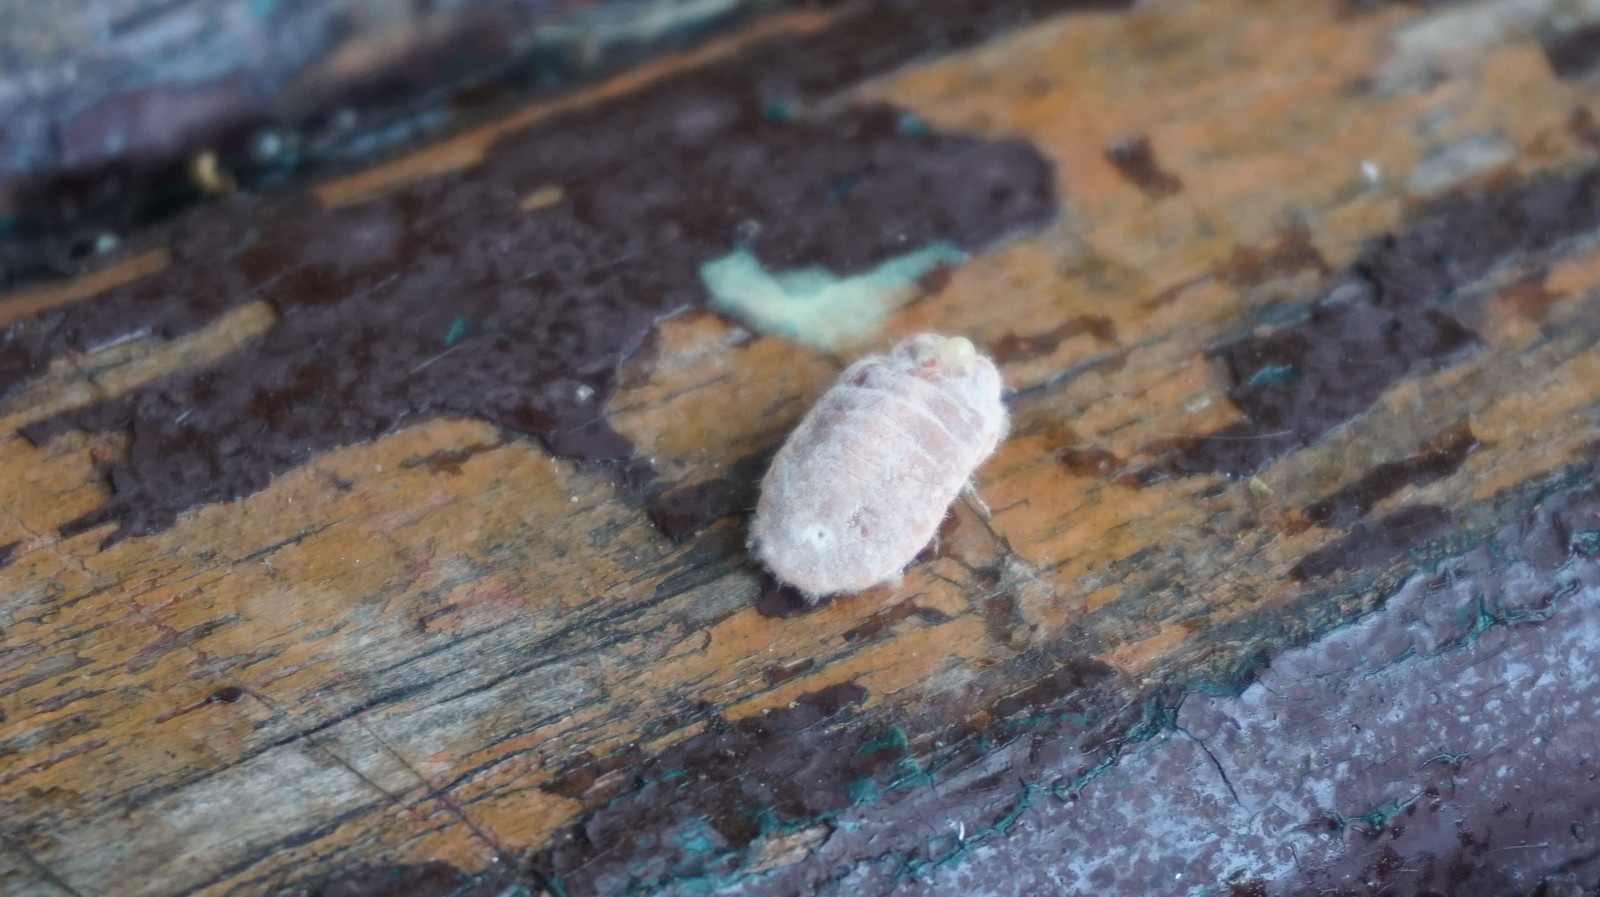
(862, 484)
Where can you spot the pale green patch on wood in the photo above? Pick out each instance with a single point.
(815, 306)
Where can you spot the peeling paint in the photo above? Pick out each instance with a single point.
(813, 305)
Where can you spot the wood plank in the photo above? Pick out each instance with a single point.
(1300, 314)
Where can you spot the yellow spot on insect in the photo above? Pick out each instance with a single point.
(953, 351)
(957, 352)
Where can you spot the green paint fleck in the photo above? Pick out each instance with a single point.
(778, 111)
(1071, 789)
(1004, 825)
(1024, 723)
(1159, 717)
(697, 842)
(460, 329)
(766, 818)
(840, 189)
(892, 740)
(1274, 375)
(1587, 543)
(1374, 821)
(813, 305)
(909, 774)
(862, 790)
(1385, 813)
(911, 126)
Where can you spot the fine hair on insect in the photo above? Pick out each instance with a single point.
(862, 484)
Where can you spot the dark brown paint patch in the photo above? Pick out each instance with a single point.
(433, 879)
(1530, 297)
(1574, 54)
(107, 153)
(1291, 253)
(595, 778)
(228, 694)
(699, 803)
(1377, 543)
(697, 809)
(449, 461)
(1581, 124)
(781, 602)
(1001, 618)
(1135, 159)
(682, 512)
(1384, 319)
(1012, 348)
(780, 674)
(1036, 780)
(1088, 461)
(447, 299)
(1437, 460)
(7, 550)
(875, 625)
(687, 820)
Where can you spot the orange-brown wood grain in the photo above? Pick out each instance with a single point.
(402, 650)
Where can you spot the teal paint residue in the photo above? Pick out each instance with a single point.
(262, 8)
(911, 126)
(1023, 723)
(1274, 375)
(1586, 543)
(862, 791)
(813, 305)
(908, 773)
(464, 327)
(698, 843)
(840, 189)
(460, 329)
(892, 740)
(766, 819)
(703, 851)
(1375, 821)
(779, 111)
(1226, 685)
(1159, 717)
(1069, 790)
(947, 849)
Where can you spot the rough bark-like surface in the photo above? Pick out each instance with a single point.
(105, 105)
(1288, 583)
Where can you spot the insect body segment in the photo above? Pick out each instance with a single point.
(865, 479)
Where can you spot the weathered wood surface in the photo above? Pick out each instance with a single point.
(105, 104)
(1353, 244)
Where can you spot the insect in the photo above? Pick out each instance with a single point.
(865, 479)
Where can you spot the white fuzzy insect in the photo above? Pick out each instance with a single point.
(862, 484)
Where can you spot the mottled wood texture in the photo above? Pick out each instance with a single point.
(447, 645)
(105, 103)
